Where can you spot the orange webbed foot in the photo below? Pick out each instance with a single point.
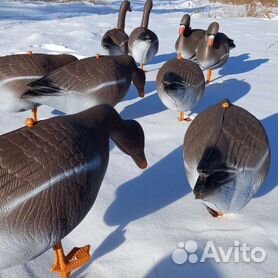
(76, 258)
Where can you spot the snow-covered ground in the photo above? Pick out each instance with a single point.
(140, 217)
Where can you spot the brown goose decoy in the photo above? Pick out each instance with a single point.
(50, 176)
(188, 39)
(214, 49)
(88, 82)
(227, 157)
(180, 85)
(115, 41)
(143, 43)
(16, 71)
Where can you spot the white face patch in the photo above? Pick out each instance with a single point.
(93, 165)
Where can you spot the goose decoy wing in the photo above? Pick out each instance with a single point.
(33, 161)
(115, 38)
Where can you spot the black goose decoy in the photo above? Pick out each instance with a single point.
(88, 82)
(115, 41)
(16, 71)
(214, 49)
(180, 85)
(142, 42)
(50, 176)
(188, 39)
(227, 157)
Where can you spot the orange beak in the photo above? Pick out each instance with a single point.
(181, 29)
(210, 41)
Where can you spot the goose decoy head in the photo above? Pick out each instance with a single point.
(184, 24)
(126, 6)
(211, 32)
(139, 79)
(130, 139)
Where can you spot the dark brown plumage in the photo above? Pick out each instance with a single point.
(88, 82)
(16, 71)
(50, 176)
(115, 41)
(180, 84)
(227, 157)
(143, 43)
(188, 39)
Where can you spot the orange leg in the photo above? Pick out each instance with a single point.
(179, 56)
(214, 213)
(76, 258)
(30, 122)
(209, 76)
(181, 118)
(35, 114)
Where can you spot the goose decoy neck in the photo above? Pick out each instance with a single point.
(128, 135)
(213, 29)
(184, 24)
(147, 10)
(125, 6)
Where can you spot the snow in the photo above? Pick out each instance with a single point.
(140, 217)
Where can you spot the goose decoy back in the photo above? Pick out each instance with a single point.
(143, 43)
(50, 176)
(88, 82)
(16, 71)
(227, 157)
(180, 85)
(115, 41)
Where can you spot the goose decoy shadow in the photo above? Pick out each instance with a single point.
(241, 64)
(271, 126)
(233, 89)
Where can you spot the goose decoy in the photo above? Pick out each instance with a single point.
(115, 41)
(227, 157)
(50, 176)
(188, 39)
(16, 71)
(88, 82)
(180, 85)
(142, 42)
(213, 50)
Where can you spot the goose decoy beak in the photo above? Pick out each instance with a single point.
(140, 160)
(181, 29)
(210, 40)
(141, 94)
